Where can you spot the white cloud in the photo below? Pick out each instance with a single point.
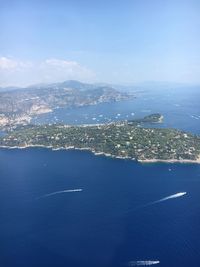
(11, 64)
(22, 73)
(61, 63)
(7, 64)
(59, 70)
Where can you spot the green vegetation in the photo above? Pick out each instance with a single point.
(115, 139)
(17, 107)
(152, 118)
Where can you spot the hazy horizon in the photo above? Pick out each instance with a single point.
(142, 84)
(97, 41)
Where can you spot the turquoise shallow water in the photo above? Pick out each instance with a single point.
(111, 222)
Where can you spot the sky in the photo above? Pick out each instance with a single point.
(113, 41)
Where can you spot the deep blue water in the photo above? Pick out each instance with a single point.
(180, 107)
(107, 224)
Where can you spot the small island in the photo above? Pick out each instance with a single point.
(152, 118)
(117, 139)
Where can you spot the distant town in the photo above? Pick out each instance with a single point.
(19, 105)
(129, 139)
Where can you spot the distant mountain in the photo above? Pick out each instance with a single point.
(66, 84)
(18, 106)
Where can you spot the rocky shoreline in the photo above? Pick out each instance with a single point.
(145, 161)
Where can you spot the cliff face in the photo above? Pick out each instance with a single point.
(27, 102)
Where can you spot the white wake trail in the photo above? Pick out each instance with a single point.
(180, 194)
(167, 198)
(61, 192)
(142, 263)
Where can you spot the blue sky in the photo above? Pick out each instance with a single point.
(99, 41)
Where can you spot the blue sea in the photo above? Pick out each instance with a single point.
(114, 218)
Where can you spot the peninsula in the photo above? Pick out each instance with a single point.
(117, 139)
(18, 106)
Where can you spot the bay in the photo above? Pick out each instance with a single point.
(71, 208)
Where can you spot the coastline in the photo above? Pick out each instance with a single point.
(142, 161)
(146, 161)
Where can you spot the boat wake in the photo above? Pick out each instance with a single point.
(167, 198)
(61, 192)
(177, 195)
(143, 263)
